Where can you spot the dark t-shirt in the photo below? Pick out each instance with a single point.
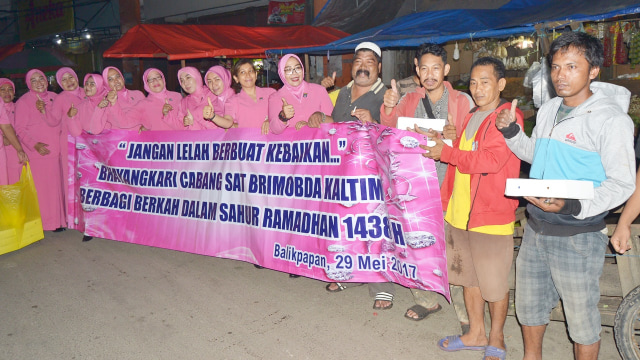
(371, 101)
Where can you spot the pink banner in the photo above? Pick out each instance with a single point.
(346, 202)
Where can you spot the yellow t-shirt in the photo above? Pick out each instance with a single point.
(334, 96)
(460, 203)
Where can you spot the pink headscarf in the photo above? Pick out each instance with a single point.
(101, 91)
(7, 81)
(105, 77)
(225, 75)
(296, 91)
(162, 94)
(10, 107)
(197, 96)
(194, 74)
(60, 73)
(43, 95)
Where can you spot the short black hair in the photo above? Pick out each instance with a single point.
(588, 45)
(498, 65)
(378, 58)
(433, 49)
(236, 66)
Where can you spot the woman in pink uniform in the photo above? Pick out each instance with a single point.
(9, 139)
(249, 107)
(71, 96)
(120, 100)
(297, 100)
(94, 97)
(13, 164)
(41, 141)
(219, 83)
(199, 96)
(159, 111)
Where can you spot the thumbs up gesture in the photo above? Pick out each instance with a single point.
(287, 110)
(391, 97)
(208, 111)
(166, 107)
(73, 111)
(188, 119)
(329, 82)
(40, 104)
(112, 96)
(506, 117)
(449, 130)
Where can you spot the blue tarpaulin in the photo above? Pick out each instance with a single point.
(515, 17)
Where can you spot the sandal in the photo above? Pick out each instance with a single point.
(383, 296)
(421, 311)
(338, 289)
(341, 286)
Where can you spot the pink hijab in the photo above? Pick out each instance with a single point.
(296, 91)
(60, 73)
(105, 78)
(199, 97)
(101, 91)
(43, 95)
(10, 107)
(225, 75)
(162, 94)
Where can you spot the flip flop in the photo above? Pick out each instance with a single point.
(383, 296)
(341, 286)
(421, 311)
(492, 351)
(455, 344)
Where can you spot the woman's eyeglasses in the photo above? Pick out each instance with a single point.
(297, 70)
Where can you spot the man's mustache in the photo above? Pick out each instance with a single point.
(363, 71)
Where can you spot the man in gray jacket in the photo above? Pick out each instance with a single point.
(583, 134)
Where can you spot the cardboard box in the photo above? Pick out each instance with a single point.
(561, 189)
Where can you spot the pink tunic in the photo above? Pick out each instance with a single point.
(32, 127)
(4, 176)
(110, 117)
(306, 99)
(14, 168)
(249, 113)
(58, 114)
(148, 112)
(196, 102)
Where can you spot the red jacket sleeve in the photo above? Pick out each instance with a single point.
(492, 152)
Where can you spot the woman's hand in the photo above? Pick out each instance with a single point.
(42, 149)
(208, 111)
(188, 119)
(287, 110)
(73, 111)
(40, 105)
(166, 107)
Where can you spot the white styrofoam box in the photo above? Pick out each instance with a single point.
(408, 122)
(561, 189)
(446, 141)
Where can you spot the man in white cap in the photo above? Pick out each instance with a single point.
(362, 97)
(361, 100)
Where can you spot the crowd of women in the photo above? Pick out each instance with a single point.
(42, 119)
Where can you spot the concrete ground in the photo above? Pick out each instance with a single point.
(103, 299)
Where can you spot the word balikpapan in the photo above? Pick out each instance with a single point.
(317, 152)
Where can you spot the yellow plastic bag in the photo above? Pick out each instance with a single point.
(20, 222)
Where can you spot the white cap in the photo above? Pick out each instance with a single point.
(369, 46)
